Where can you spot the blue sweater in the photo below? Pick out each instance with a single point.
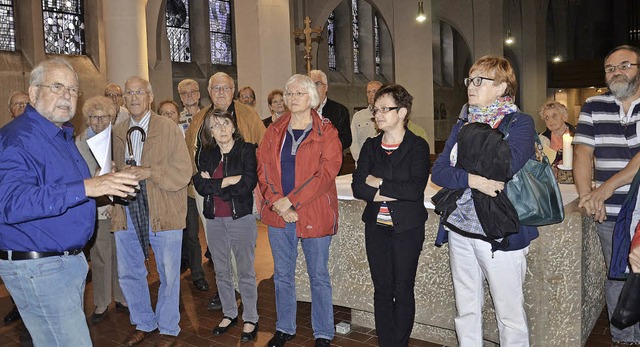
(521, 143)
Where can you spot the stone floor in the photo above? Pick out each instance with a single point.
(197, 322)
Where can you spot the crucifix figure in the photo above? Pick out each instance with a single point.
(308, 39)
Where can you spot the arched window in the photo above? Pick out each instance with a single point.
(177, 15)
(220, 32)
(331, 40)
(355, 33)
(63, 27)
(7, 26)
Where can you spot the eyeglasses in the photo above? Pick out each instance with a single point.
(622, 66)
(220, 126)
(130, 93)
(217, 89)
(383, 110)
(319, 83)
(296, 94)
(477, 81)
(20, 104)
(190, 93)
(248, 97)
(100, 119)
(113, 96)
(59, 88)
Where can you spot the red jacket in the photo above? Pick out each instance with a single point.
(318, 162)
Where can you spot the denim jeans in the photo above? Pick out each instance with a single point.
(612, 288)
(132, 274)
(284, 248)
(49, 293)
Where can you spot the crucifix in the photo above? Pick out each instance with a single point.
(308, 39)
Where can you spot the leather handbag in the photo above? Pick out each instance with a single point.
(534, 191)
(627, 312)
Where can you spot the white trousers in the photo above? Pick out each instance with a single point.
(471, 263)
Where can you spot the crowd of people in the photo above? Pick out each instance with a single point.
(217, 167)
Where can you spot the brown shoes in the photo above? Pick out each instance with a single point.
(136, 337)
(166, 340)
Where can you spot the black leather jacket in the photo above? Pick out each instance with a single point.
(241, 160)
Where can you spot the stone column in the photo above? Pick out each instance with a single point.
(268, 62)
(125, 33)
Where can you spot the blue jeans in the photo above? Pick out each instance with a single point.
(49, 293)
(612, 288)
(132, 274)
(284, 248)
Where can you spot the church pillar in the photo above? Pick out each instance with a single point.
(534, 57)
(126, 39)
(267, 63)
(414, 62)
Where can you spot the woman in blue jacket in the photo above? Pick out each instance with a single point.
(491, 89)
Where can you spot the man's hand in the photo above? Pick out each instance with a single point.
(117, 184)
(485, 185)
(594, 202)
(290, 216)
(141, 173)
(282, 205)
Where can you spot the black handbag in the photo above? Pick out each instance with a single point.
(534, 191)
(627, 312)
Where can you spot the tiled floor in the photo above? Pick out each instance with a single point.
(197, 322)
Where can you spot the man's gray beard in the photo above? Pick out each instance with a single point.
(624, 90)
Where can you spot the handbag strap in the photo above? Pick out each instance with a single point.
(538, 144)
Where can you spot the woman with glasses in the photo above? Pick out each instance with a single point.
(298, 161)
(226, 178)
(391, 176)
(98, 111)
(491, 89)
(275, 100)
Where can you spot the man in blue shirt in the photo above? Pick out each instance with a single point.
(47, 214)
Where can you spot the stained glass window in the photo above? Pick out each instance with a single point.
(177, 16)
(63, 27)
(376, 43)
(7, 27)
(331, 39)
(220, 32)
(355, 30)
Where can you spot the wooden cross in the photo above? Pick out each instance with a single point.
(308, 39)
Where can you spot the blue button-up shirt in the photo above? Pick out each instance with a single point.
(43, 206)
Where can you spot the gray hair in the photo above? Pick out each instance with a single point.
(323, 76)
(98, 103)
(306, 83)
(187, 82)
(220, 74)
(37, 74)
(146, 83)
(14, 94)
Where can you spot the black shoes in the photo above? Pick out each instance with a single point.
(99, 317)
(215, 303)
(250, 335)
(201, 285)
(279, 339)
(121, 307)
(322, 343)
(12, 316)
(219, 330)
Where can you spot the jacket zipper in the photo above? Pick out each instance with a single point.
(233, 206)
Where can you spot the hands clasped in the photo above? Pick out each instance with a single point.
(284, 209)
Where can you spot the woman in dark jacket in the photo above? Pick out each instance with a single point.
(491, 88)
(391, 175)
(227, 175)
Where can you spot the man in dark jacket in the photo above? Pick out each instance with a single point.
(337, 113)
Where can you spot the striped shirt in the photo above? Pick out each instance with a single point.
(384, 216)
(613, 135)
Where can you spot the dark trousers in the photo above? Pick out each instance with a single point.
(191, 249)
(393, 261)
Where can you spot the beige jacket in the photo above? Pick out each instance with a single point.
(166, 153)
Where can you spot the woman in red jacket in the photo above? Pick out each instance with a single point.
(298, 161)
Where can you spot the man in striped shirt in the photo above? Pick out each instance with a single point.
(607, 136)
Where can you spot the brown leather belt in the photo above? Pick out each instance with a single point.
(16, 255)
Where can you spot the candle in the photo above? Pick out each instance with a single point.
(567, 151)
